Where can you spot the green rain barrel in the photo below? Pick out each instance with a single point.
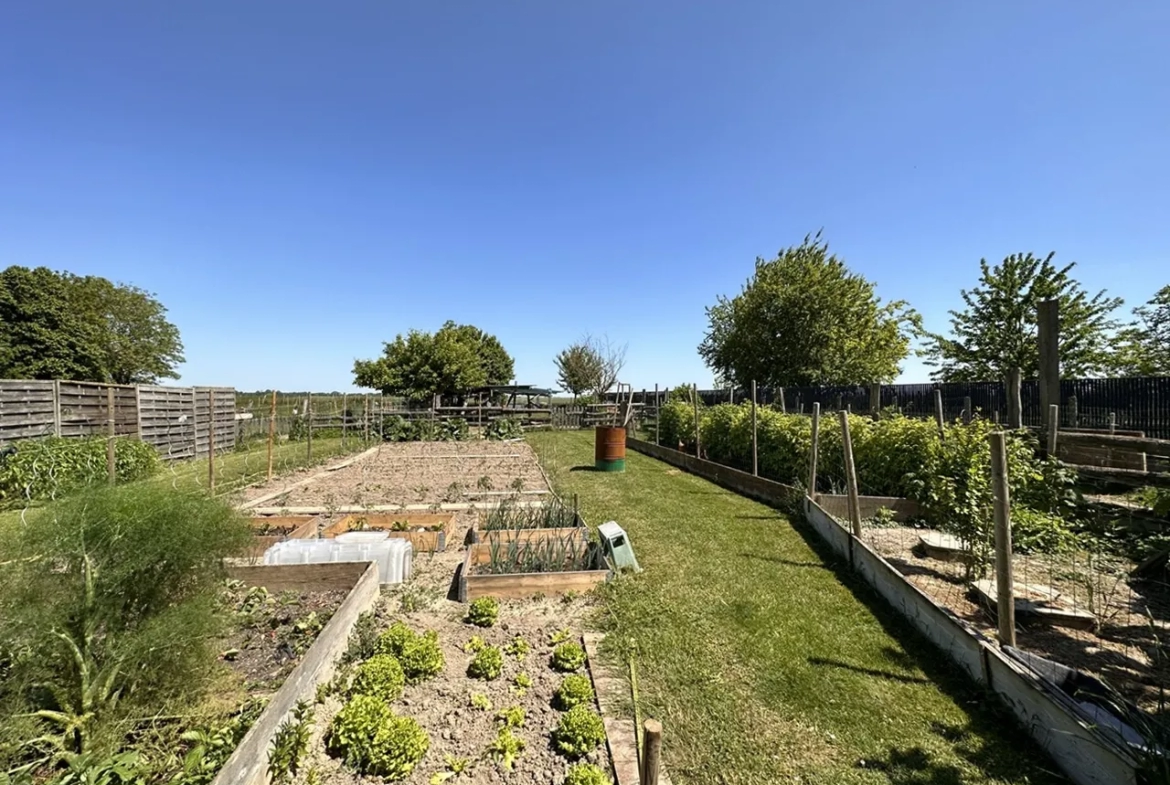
(609, 448)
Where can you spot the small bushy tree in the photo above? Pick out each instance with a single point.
(1143, 347)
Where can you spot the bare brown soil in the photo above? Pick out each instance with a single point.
(1123, 650)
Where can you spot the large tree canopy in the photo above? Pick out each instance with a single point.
(1143, 347)
(590, 365)
(61, 326)
(420, 365)
(804, 319)
(997, 329)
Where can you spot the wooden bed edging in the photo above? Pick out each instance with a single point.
(248, 764)
(521, 584)
(1086, 756)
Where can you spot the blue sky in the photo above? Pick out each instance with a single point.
(299, 181)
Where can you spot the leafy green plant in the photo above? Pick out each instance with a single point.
(521, 683)
(518, 648)
(505, 748)
(511, 717)
(124, 768)
(380, 676)
(420, 656)
(560, 636)
(475, 645)
(54, 467)
(487, 664)
(454, 767)
(363, 640)
(372, 740)
(586, 774)
(579, 732)
(483, 612)
(289, 744)
(568, 657)
(503, 428)
(574, 690)
(480, 702)
(210, 747)
(484, 483)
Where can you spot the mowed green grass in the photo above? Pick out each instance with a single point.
(764, 659)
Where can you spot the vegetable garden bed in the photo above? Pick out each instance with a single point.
(427, 532)
(270, 530)
(521, 568)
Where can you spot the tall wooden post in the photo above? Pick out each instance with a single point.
(657, 412)
(967, 414)
(111, 427)
(651, 752)
(938, 413)
(1073, 414)
(850, 475)
(1048, 333)
(309, 422)
(875, 399)
(271, 432)
(344, 418)
(366, 420)
(211, 440)
(755, 436)
(1014, 403)
(1112, 422)
(695, 401)
(812, 458)
(1053, 420)
(840, 402)
(1005, 603)
(731, 394)
(780, 400)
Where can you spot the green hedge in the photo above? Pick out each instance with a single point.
(52, 467)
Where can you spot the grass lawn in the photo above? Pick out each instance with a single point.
(762, 656)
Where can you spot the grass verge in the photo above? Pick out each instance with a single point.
(764, 658)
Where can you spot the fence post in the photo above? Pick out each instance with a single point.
(1112, 422)
(1048, 335)
(938, 413)
(850, 475)
(309, 423)
(783, 407)
(755, 436)
(211, 439)
(840, 402)
(875, 399)
(1073, 415)
(967, 410)
(812, 458)
(1053, 425)
(344, 418)
(651, 752)
(1015, 404)
(731, 394)
(111, 464)
(138, 411)
(1005, 603)
(656, 415)
(695, 401)
(366, 420)
(271, 433)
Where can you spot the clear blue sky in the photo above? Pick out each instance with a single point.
(299, 181)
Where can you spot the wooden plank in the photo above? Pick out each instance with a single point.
(1114, 442)
(528, 584)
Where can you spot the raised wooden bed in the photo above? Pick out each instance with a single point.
(404, 526)
(526, 584)
(270, 530)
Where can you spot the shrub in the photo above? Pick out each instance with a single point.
(676, 419)
(372, 740)
(575, 690)
(380, 676)
(54, 467)
(420, 656)
(505, 748)
(487, 664)
(586, 774)
(579, 732)
(483, 612)
(568, 657)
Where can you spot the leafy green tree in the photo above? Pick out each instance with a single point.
(579, 368)
(420, 365)
(1143, 347)
(61, 326)
(41, 335)
(804, 319)
(997, 329)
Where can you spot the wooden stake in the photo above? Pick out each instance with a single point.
(651, 752)
(1005, 603)
(656, 413)
(1073, 415)
(1053, 426)
(783, 408)
(309, 421)
(938, 413)
(850, 475)
(812, 458)
(111, 463)
(1048, 335)
(731, 394)
(967, 414)
(695, 401)
(271, 432)
(755, 436)
(1112, 422)
(366, 420)
(211, 440)
(1014, 403)
(344, 418)
(875, 399)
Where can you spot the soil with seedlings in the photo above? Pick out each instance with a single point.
(417, 473)
(442, 705)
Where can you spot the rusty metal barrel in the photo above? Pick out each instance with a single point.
(609, 448)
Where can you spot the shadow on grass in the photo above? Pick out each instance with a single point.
(982, 741)
(583, 468)
(823, 662)
(786, 562)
